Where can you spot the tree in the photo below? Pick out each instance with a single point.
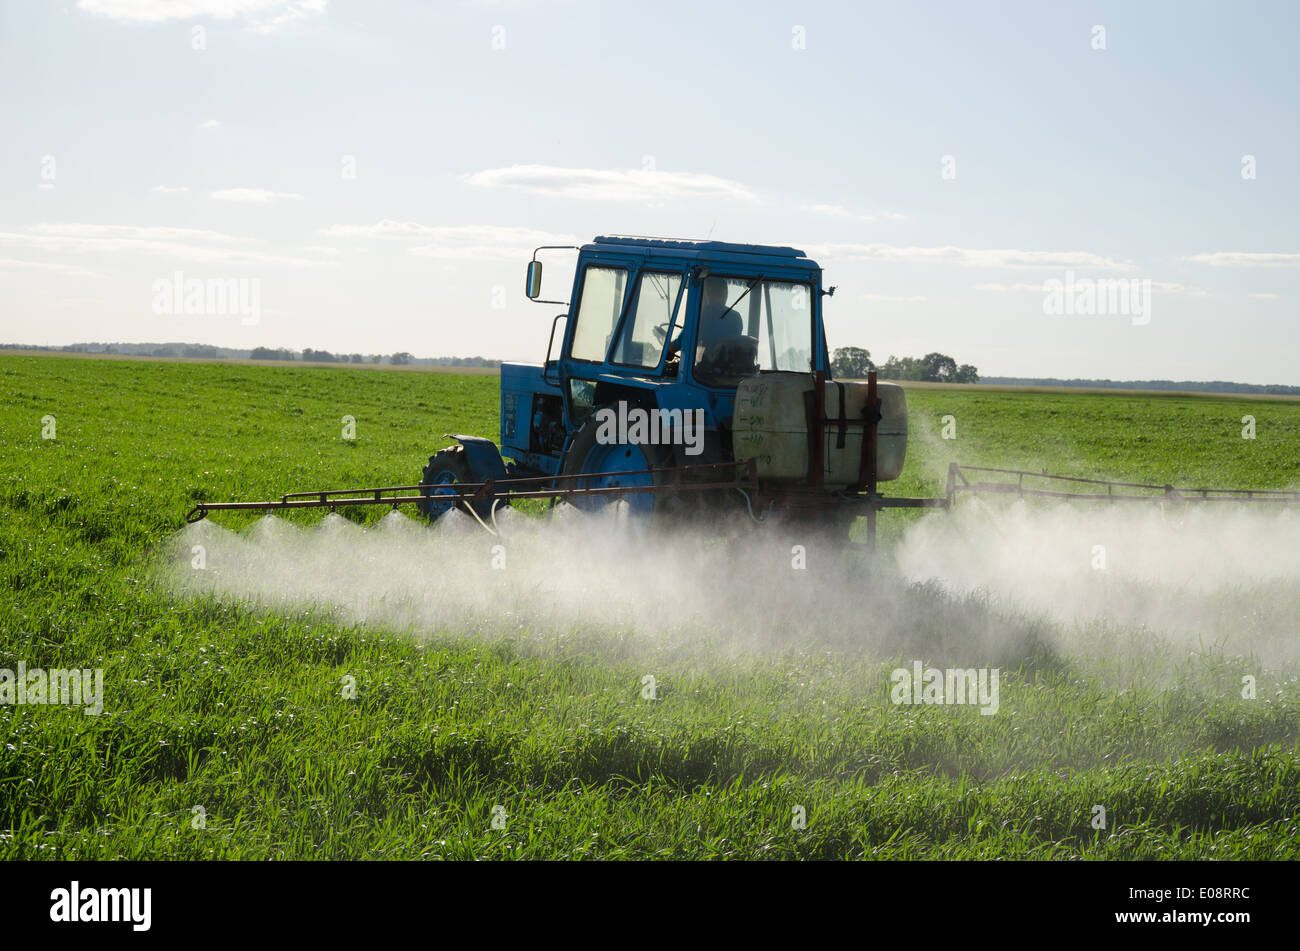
(932, 368)
(266, 353)
(938, 368)
(851, 362)
(400, 359)
(901, 368)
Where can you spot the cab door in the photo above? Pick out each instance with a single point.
(627, 318)
(601, 292)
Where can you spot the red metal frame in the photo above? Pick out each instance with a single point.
(502, 489)
(958, 483)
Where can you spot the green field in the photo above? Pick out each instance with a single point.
(237, 708)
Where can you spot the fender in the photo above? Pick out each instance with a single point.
(482, 455)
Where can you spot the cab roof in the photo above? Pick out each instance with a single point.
(703, 250)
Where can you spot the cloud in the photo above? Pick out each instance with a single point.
(292, 13)
(262, 16)
(1169, 288)
(969, 257)
(1246, 259)
(210, 124)
(477, 242)
(839, 211)
(1020, 288)
(170, 189)
(133, 232)
(996, 288)
(187, 244)
(457, 242)
(72, 270)
(1262, 296)
(595, 184)
(387, 228)
(253, 195)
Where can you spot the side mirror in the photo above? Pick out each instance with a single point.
(533, 286)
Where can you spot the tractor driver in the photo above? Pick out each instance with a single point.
(722, 348)
(717, 320)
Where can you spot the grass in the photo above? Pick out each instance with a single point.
(240, 713)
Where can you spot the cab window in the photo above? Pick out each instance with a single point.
(599, 304)
(751, 325)
(650, 319)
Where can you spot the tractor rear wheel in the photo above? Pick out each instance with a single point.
(588, 455)
(446, 468)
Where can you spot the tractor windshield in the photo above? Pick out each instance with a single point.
(748, 325)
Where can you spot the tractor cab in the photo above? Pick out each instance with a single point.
(675, 325)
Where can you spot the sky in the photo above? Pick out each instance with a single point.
(376, 175)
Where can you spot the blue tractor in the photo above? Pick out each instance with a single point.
(682, 333)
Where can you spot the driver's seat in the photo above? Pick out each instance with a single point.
(731, 356)
(724, 347)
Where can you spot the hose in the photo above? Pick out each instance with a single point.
(750, 507)
(469, 508)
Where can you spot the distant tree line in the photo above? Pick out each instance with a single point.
(203, 351)
(267, 353)
(399, 359)
(849, 362)
(855, 362)
(200, 351)
(1180, 386)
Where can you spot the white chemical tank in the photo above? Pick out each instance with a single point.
(770, 426)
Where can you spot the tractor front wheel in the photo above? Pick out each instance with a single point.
(446, 468)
